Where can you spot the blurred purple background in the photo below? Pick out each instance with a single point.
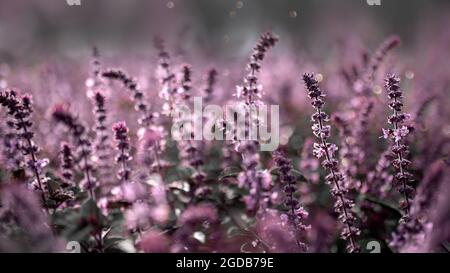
(216, 27)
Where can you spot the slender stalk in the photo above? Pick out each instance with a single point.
(400, 158)
(35, 170)
(20, 110)
(335, 180)
(81, 142)
(326, 149)
(399, 149)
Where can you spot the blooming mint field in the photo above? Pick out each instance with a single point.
(89, 160)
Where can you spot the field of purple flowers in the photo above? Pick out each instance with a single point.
(88, 162)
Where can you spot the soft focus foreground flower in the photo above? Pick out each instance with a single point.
(20, 109)
(22, 206)
(82, 144)
(296, 214)
(154, 241)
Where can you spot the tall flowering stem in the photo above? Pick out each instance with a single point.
(123, 146)
(364, 102)
(139, 214)
(100, 117)
(67, 163)
(377, 58)
(360, 133)
(81, 142)
(325, 149)
(348, 152)
(185, 82)
(190, 152)
(166, 77)
(138, 96)
(399, 149)
(151, 144)
(96, 66)
(412, 235)
(211, 80)
(250, 94)
(309, 164)
(363, 106)
(96, 93)
(379, 180)
(11, 149)
(20, 110)
(150, 134)
(296, 213)
(102, 143)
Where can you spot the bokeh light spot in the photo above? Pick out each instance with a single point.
(319, 77)
(293, 13)
(170, 4)
(409, 74)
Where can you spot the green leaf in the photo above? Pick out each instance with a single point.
(89, 209)
(53, 186)
(228, 172)
(300, 176)
(384, 204)
(112, 241)
(76, 233)
(233, 232)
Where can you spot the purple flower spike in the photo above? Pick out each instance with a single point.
(335, 179)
